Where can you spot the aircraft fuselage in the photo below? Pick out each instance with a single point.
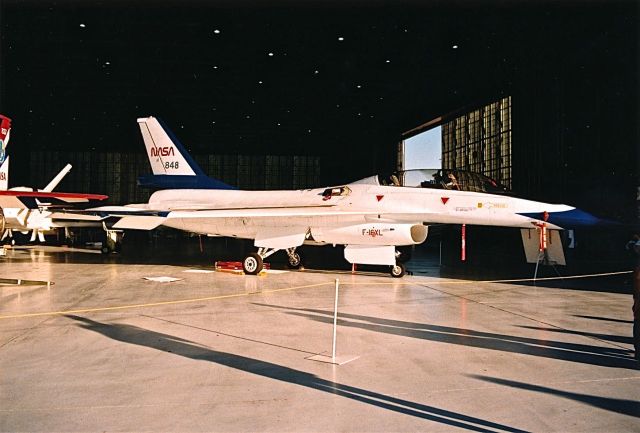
(245, 213)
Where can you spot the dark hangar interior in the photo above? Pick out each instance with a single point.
(282, 94)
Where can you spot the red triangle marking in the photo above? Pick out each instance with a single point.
(379, 197)
(444, 200)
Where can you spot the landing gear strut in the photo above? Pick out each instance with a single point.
(294, 258)
(112, 241)
(399, 269)
(254, 262)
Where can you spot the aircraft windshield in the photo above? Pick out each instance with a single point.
(444, 179)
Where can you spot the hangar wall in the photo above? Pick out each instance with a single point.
(573, 140)
(115, 174)
(546, 148)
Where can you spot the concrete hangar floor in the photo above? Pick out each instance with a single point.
(103, 349)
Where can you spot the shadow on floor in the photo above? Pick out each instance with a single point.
(572, 352)
(624, 407)
(188, 349)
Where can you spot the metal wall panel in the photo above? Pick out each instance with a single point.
(115, 174)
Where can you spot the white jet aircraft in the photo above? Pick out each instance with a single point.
(369, 217)
(25, 209)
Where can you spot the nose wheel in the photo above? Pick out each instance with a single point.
(398, 270)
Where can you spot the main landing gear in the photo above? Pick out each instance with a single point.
(112, 241)
(295, 261)
(254, 262)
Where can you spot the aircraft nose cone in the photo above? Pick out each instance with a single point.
(569, 218)
(572, 218)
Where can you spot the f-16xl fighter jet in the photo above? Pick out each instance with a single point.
(370, 217)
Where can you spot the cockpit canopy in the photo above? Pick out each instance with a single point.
(440, 179)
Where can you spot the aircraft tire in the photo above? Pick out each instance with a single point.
(296, 263)
(398, 270)
(252, 264)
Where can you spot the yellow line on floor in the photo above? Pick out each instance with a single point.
(517, 280)
(162, 303)
(23, 282)
(342, 283)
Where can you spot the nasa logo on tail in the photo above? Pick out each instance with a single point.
(162, 151)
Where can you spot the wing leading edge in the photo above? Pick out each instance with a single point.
(40, 199)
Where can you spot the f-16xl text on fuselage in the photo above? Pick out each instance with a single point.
(370, 219)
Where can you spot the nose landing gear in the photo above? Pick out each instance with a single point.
(398, 270)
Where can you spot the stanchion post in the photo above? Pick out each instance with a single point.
(333, 359)
(335, 321)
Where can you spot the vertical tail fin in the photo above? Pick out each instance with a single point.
(4, 174)
(166, 154)
(5, 130)
(172, 166)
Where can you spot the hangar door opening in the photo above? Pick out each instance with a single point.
(423, 150)
(476, 140)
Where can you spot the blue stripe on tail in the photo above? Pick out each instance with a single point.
(199, 181)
